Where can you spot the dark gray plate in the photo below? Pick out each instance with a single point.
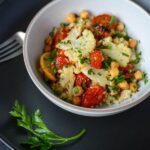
(126, 131)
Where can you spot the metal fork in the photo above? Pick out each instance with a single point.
(12, 47)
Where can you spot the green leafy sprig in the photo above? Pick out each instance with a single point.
(41, 137)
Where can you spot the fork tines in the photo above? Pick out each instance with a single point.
(10, 49)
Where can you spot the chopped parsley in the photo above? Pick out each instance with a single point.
(64, 24)
(76, 90)
(99, 74)
(125, 54)
(109, 46)
(113, 20)
(120, 35)
(65, 42)
(52, 56)
(138, 58)
(51, 34)
(54, 71)
(145, 78)
(90, 72)
(120, 78)
(84, 60)
(107, 62)
(106, 65)
(115, 89)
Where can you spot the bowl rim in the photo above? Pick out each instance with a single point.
(63, 104)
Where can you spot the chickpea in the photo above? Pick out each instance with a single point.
(120, 26)
(60, 71)
(126, 43)
(133, 43)
(133, 87)
(48, 41)
(114, 72)
(71, 18)
(116, 41)
(77, 91)
(76, 100)
(85, 14)
(47, 48)
(138, 75)
(123, 85)
(114, 64)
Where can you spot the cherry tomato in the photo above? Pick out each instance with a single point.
(96, 59)
(93, 96)
(60, 36)
(61, 61)
(126, 71)
(82, 80)
(61, 53)
(101, 25)
(101, 20)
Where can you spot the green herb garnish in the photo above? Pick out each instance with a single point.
(120, 78)
(76, 90)
(53, 55)
(41, 137)
(145, 78)
(138, 58)
(64, 24)
(51, 34)
(65, 42)
(115, 89)
(125, 54)
(120, 35)
(113, 20)
(107, 62)
(109, 46)
(84, 60)
(90, 72)
(99, 74)
(106, 65)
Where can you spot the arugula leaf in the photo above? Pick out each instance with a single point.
(41, 137)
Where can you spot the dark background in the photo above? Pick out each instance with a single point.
(129, 130)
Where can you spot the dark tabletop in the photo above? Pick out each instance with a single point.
(129, 130)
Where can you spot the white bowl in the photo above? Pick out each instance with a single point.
(137, 22)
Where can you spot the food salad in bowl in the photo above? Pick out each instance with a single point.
(89, 63)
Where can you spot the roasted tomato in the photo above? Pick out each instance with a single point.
(61, 53)
(61, 59)
(101, 25)
(82, 80)
(96, 59)
(101, 20)
(60, 36)
(127, 71)
(93, 96)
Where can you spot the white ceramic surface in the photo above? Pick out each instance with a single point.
(137, 22)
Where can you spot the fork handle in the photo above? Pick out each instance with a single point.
(21, 36)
